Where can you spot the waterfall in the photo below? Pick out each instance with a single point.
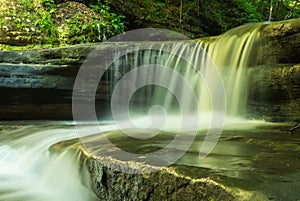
(198, 80)
(216, 71)
(233, 53)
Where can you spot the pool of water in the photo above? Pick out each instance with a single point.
(253, 156)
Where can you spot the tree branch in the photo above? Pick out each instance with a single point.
(291, 11)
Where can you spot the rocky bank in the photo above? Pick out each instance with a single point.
(275, 88)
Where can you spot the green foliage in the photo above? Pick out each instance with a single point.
(27, 4)
(95, 30)
(79, 32)
(202, 17)
(111, 25)
(194, 18)
(30, 21)
(26, 47)
(248, 12)
(49, 4)
(282, 9)
(49, 32)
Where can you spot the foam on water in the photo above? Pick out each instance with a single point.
(29, 172)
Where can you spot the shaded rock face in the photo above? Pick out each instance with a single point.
(274, 88)
(275, 93)
(39, 84)
(281, 43)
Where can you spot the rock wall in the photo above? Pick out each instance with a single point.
(275, 81)
(275, 93)
(39, 84)
(280, 43)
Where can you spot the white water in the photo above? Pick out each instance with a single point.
(216, 72)
(29, 172)
(233, 54)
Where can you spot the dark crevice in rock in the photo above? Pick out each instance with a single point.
(104, 180)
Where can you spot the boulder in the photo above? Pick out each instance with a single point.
(280, 43)
(113, 179)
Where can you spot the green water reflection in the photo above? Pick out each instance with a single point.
(263, 158)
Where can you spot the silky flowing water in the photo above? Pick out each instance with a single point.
(252, 155)
(28, 171)
(256, 156)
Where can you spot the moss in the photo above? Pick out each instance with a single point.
(19, 21)
(4, 47)
(37, 23)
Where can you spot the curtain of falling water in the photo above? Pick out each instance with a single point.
(230, 53)
(233, 53)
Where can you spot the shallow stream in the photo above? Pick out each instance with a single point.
(254, 156)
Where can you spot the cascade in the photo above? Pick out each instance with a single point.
(186, 78)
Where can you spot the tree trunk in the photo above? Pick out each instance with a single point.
(271, 10)
(180, 12)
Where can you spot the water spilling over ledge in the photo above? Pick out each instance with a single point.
(259, 68)
(39, 84)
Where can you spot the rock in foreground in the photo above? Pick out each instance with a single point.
(140, 182)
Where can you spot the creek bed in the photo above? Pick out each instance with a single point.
(260, 158)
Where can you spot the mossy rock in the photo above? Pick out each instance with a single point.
(31, 23)
(76, 23)
(18, 22)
